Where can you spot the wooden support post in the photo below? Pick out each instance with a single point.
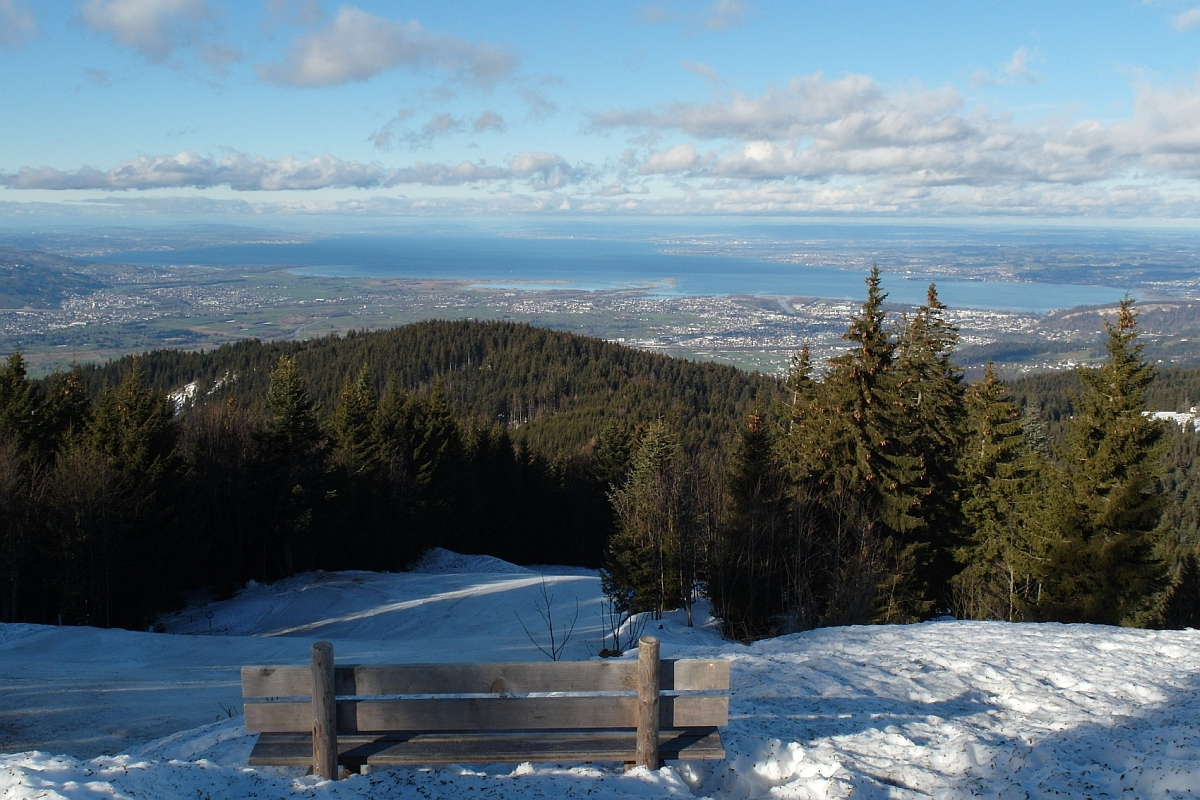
(324, 712)
(647, 707)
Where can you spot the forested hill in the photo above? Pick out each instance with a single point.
(554, 390)
(39, 280)
(1173, 389)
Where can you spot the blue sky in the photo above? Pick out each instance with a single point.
(916, 110)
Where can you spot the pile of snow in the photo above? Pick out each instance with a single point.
(440, 561)
(946, 709)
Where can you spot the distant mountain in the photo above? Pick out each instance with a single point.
(29, 279)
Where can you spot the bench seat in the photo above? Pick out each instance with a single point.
(634, 712)
(486, 747)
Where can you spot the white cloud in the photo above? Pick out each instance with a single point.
(856, 132)
(294, 12)
(721, 15)
(16, 24)
(357, 45)
(241, 172)
(681, 158)
(545, 170)
(725, 14)
(488, 121)
(701, 69)
(396, 132)
(1187, 20)
(1018, 67)
(155, 28)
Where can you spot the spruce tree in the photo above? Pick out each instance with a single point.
(294, 448)
(1001, 485)
(867, 433)
(18, 405)
(930, 389)
(353, 424)
(749, 581)
(642, 564)
(1107, 502)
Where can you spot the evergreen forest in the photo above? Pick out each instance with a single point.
(878, 486)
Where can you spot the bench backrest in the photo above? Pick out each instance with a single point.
(503, 696)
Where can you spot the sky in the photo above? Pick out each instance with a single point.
(1064, 111)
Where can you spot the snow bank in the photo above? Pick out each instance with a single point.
(948, 709)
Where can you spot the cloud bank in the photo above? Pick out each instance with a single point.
(852, 128)
(241, 172)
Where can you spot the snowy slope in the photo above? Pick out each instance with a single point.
(949, 709)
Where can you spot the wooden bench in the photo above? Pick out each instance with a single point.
(639, 712)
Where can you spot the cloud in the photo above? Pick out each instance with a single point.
(357, 46)
(1018, 67)
(245, 173)
(1187, 20)
(155, 28)
(654, 14)
(294, 12)
(395, 132)
(488, 121)
(545, 170)
(1016, 70)
(721, 15)
(681, 158)
(703, 70)
(725, 14)
(17, 24)
(854, 131)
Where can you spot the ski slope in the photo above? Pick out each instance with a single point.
(945, 709)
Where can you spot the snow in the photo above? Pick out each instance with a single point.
(1181, 418)
(945, 709)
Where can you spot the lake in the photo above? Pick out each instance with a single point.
(599, 264)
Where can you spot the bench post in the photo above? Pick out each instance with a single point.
(647, 706)
(324, 707)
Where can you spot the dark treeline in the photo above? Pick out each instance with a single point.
(356, 452)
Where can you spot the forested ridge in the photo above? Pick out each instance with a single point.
(552, 390)
(877, 487)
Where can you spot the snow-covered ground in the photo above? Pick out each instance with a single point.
(946, 709)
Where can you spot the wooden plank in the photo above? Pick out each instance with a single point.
(506, 678)
(488, 748)
(696, 675)
(487, 713)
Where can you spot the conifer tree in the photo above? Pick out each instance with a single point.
(869, 437)
(128, 451)
(18, 404)
(1107, 505)
(294, 451)
(1002, 478)
(642, 565)
(353, 423)
(930, 389)
(749, 579)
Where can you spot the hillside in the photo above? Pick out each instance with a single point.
(38, 280)
(940, 709)
(553, 390)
